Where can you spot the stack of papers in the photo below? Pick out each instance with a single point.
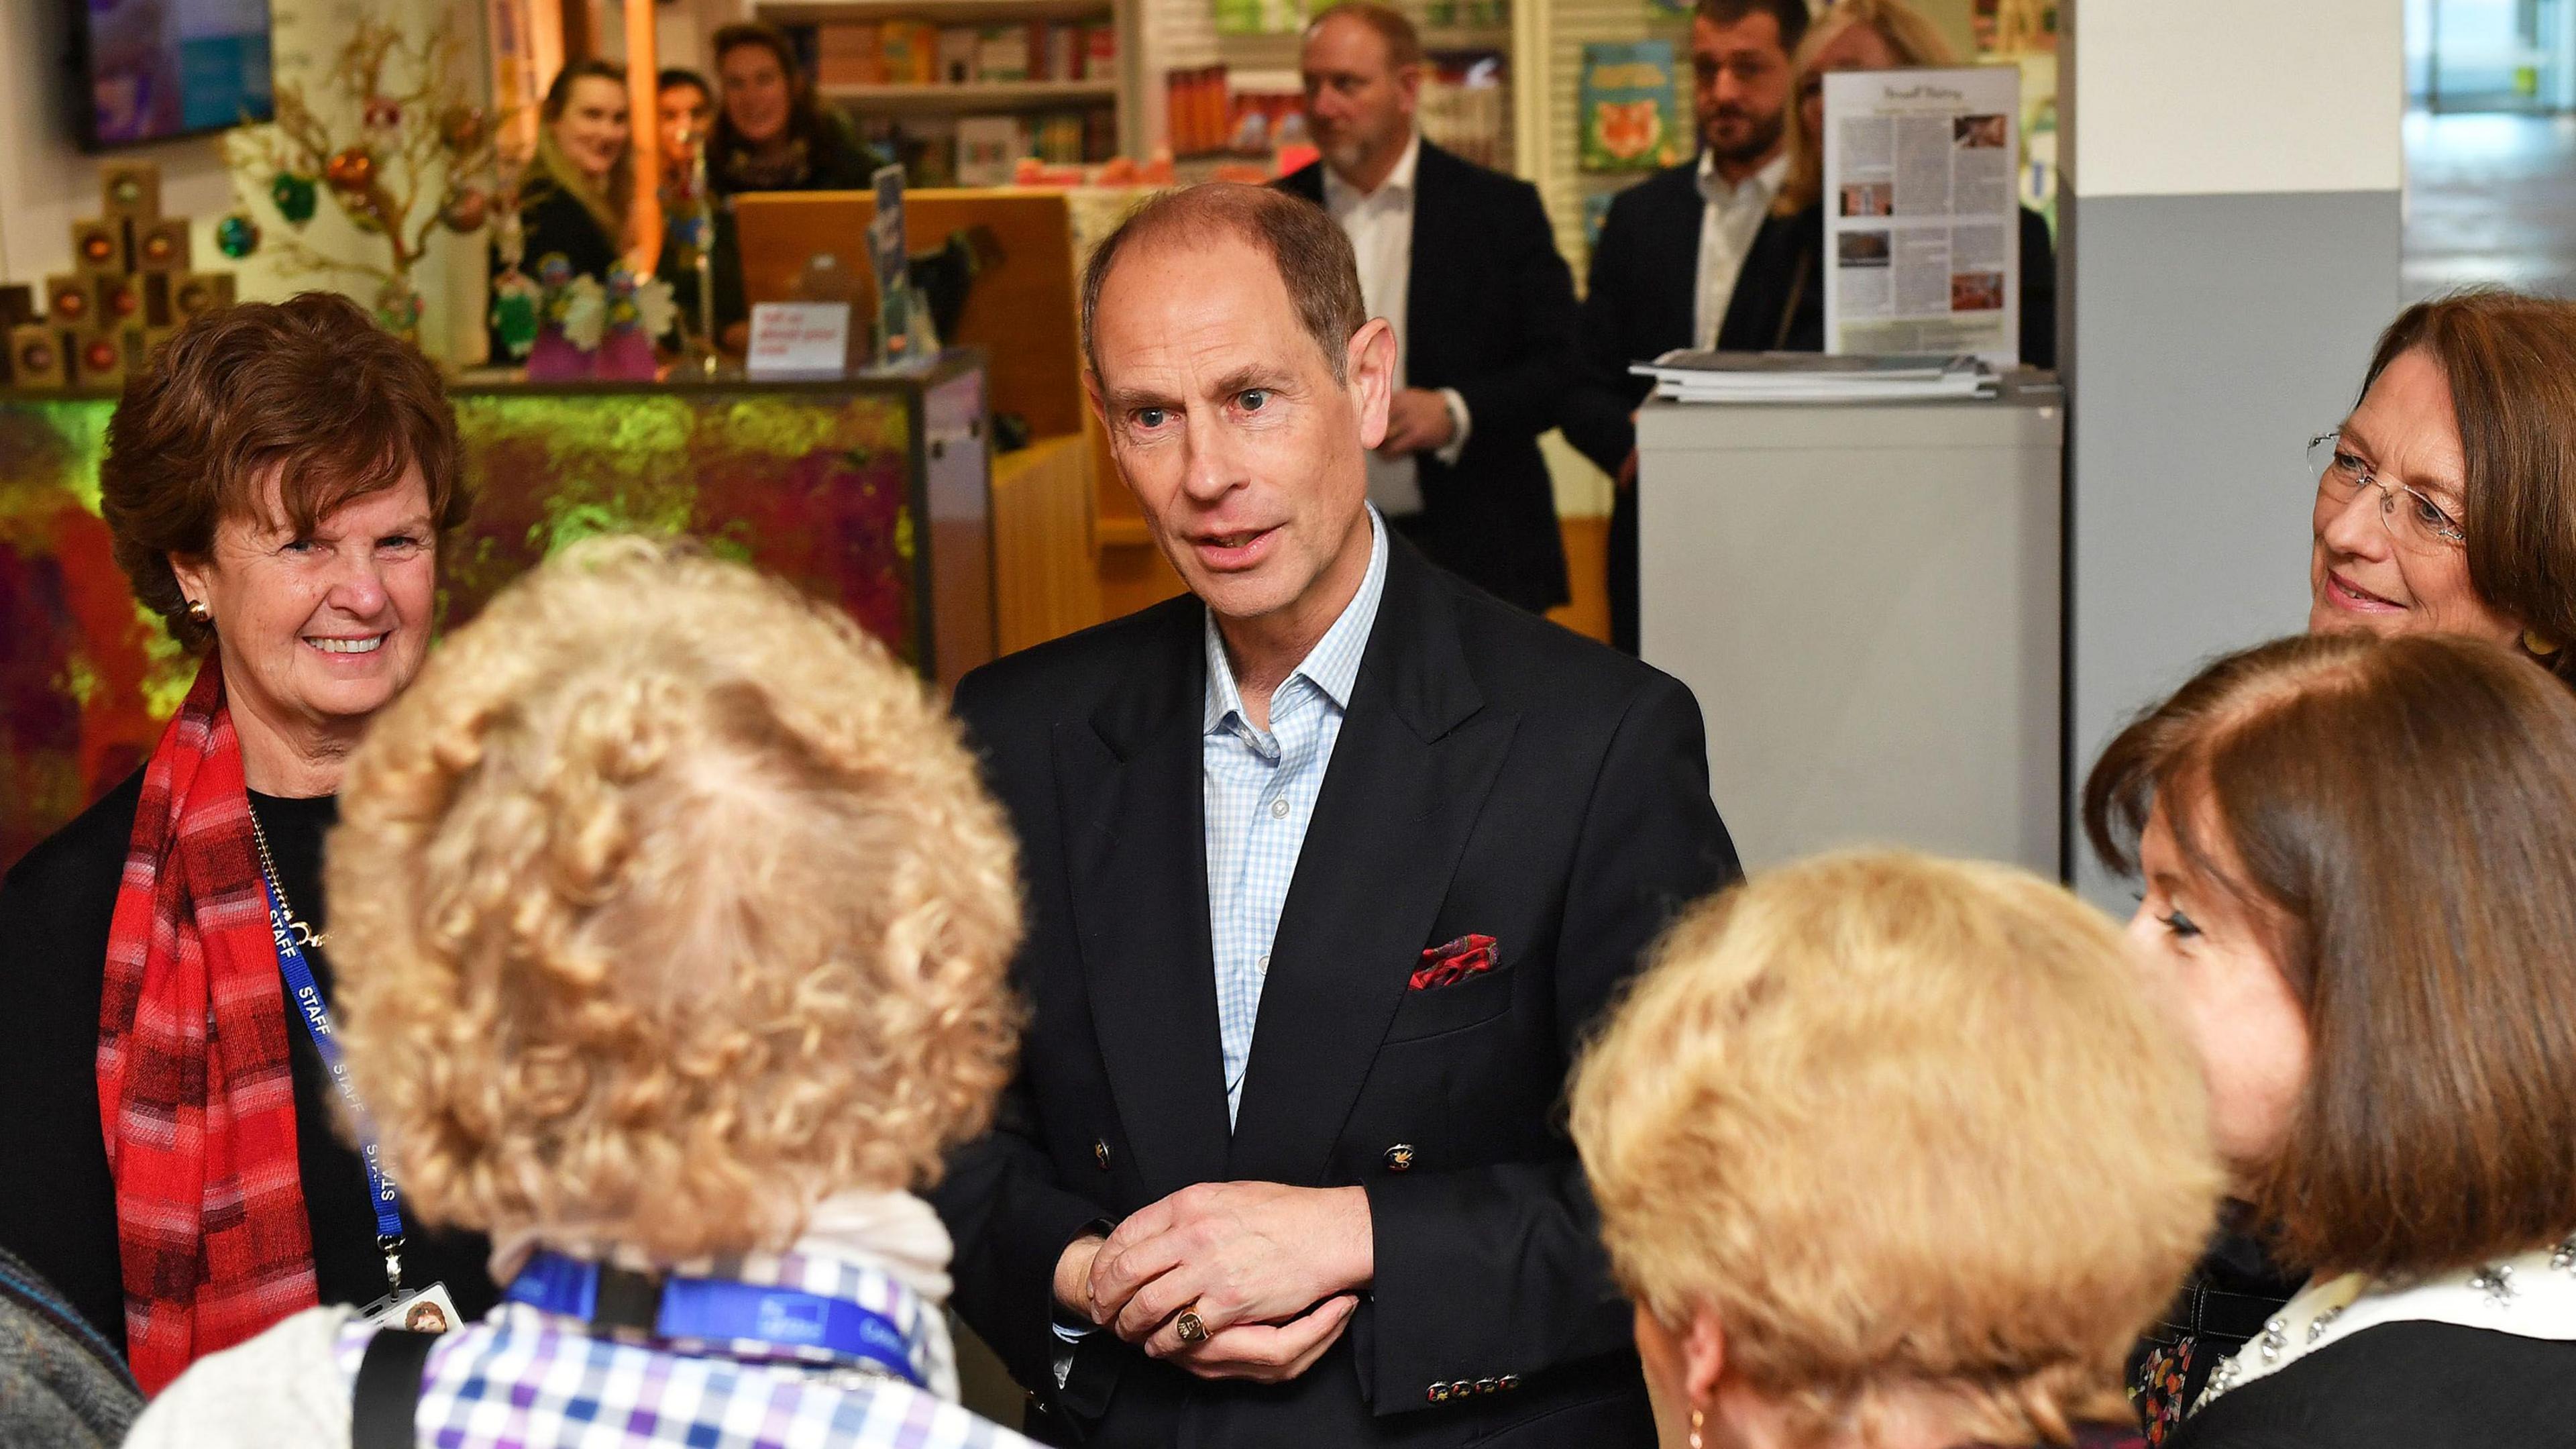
(1777, 377)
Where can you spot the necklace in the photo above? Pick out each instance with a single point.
(302, 930)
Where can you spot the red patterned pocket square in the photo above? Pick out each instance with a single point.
(1447, 965)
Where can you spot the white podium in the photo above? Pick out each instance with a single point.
(1868, 601)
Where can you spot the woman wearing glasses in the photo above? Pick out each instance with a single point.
(2446, 503)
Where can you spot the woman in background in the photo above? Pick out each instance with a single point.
(575, 199)
(685, 935)
(772, 133)
(2357, 856)
(2446, 500)
(1781, 304)
(1892, 1152)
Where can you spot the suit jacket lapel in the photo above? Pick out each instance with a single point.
(1417, 754)
(1137, 851)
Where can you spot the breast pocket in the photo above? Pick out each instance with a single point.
(1455, 1007)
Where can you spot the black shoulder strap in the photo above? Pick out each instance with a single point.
(388, 1393)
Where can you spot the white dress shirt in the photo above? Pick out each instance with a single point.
(1380, 226)
(1729, 217)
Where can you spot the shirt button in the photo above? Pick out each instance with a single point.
(1262, 966)
(1279, 808)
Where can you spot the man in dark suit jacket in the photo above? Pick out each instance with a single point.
(1482, 305)
(1328, 865)
(1676, 263)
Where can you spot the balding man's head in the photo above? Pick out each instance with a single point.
(1312, 255)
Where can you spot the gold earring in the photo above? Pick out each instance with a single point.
(1695, 1428)
(197, 610)
(2539, 643)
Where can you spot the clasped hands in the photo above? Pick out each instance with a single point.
(1273, 1272)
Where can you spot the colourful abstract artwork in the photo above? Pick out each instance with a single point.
(811, 485)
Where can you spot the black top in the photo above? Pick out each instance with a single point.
(2404, 1386)
(831, 158)
(1490, 312)
(57, 1198)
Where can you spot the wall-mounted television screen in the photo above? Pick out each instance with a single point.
(155, 69)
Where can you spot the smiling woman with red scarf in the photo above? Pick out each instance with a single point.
(277, 481)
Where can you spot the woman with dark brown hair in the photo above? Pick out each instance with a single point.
(772, 133)
(2447, 500)
(277, 483)
(2357, 855)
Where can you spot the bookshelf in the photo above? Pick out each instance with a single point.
(954, 87)
(972, 96)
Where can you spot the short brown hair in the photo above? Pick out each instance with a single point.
(1852, 1108)
(1790, 15)
(2400, 816)
(2510, 361)
(1403, 42)
(681, 908)
(1313, 256)
(805, 118)
(310, 384)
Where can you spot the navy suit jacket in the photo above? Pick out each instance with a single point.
(1494, 775)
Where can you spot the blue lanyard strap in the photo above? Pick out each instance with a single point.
(713, 1310)
(305, 995)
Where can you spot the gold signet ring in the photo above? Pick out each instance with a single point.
(1191, 1327)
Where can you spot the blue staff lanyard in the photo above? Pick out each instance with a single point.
(720, 1310)
(304, 995)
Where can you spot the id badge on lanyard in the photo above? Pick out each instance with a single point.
(430, 1310)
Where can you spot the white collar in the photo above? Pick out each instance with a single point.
(1341, 195)
(2532, 1295)
(1333, 664)
(1765, 180)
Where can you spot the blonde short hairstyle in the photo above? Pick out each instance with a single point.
(668, 905)
(1918, 44)
(1900, 1122)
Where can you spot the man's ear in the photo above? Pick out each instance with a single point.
(1703, 1357)
(1408, 89)
(1369, 363)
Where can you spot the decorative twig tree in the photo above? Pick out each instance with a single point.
(393, 135)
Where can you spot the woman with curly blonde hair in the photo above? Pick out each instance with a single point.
(680, 963)
(1892, 1151)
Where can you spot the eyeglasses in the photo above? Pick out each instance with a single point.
(2420, 525)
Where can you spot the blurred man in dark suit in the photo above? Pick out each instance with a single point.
(1665, 269)
(1461, 262)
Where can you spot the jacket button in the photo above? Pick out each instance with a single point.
(1461, 1389)
(1508, 1382)
(1439, 1393)
(1100, 1153)
(1399, 1158)
(1485, 1386)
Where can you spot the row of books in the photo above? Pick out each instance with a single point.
(916, 52)
(980, 150)
(1465, 107)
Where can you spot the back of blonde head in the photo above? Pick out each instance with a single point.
(1900, 1123)
(667, 905)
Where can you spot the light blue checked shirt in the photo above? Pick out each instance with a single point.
(1259, 793)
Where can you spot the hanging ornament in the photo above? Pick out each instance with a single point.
(462, 128)
(383, 113)
(398, 308)
(514, 314)
(351, 170)
(466, 210)
(126, 191)
(237, 236)
(295, 197)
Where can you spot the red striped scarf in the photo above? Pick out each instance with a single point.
(194, 1091)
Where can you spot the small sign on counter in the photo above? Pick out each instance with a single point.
(799, 339)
